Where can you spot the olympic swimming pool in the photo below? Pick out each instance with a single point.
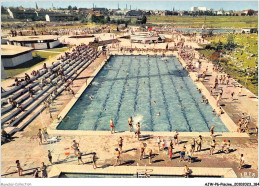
(142, 87)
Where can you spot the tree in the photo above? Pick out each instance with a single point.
(250, 12)
(230, 41)
(3, 10)
(69, 7)
(74, 8)
(107, 19)
(143, 20)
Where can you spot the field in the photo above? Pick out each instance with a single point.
(241, 62)
(210, 21)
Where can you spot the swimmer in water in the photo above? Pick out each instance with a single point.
(181, 87)
(67, 118)
(154, 102)
(158, 114)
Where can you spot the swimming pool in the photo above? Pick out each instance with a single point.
(142, 87)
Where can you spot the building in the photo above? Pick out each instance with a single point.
(40, 14)
(58, 17)
(134, 13)
(220, 12)
(36, 42)
(249, 30)
(196, 9)
(146, 38)
(12, 56)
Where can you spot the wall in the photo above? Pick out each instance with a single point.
(3, 74)
(4, 41)
(40, 45)
(54, 44)
(11, 62)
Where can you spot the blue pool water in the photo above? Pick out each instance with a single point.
(128, 86)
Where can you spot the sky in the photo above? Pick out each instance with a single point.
(145, 5)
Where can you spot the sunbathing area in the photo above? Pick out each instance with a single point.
(109, 106)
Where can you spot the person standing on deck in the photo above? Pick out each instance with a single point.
(117, 157)
(44, 170)
(39, 135)
(75, 147)
(120, 143)
(199, 143)
(18, 167)
(112, 126)
(193, 142)
(241, 162)
(175, 137)
(138, 131)
(50, 156)
(130, 122)
(94, 160)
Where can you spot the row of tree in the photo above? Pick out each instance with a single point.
(106, 19)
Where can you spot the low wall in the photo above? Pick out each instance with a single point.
(54, 44)
(12, 62)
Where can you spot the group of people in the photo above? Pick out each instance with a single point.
(194, 64)
(42, 170)
(78, 153)
(56, 71)
(42, 135)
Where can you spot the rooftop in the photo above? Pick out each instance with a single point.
(33, 38)
(8, 50)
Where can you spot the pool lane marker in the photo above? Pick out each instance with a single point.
(150, 95)
(164, 98)
(122, 95)
(196, 104)
(105, 101)
(137, 87)
(179, 99)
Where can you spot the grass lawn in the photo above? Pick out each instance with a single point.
(38, 58)
(237, 61)
(211, 21)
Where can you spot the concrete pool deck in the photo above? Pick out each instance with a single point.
(25, 145)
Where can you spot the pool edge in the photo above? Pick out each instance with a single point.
(228, 122)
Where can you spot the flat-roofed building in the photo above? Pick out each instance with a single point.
(146, 37)
(196, 9)
(36, 42)
(249, 30)
(12, 56)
